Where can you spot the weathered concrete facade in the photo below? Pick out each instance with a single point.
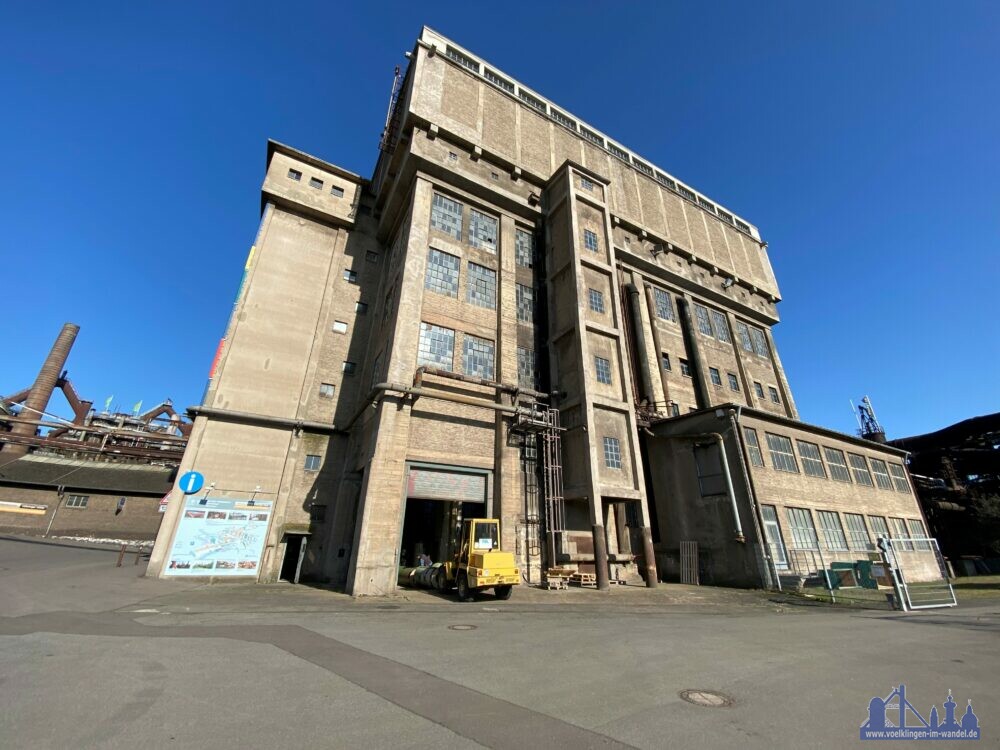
(396, 342)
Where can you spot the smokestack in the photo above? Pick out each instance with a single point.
(45, 383)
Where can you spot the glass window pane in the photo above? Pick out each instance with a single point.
(446, 215)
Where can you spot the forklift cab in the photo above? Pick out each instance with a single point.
(481, 564)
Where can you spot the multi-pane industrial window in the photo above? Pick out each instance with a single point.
(774, 394)
(619, 152)
(327, 390)
(812, 464)
(772, 532)
(524, 248)
(687, 193)
(803, 531)
(562, 119)
(753, 446)
(437, 346)
(315, 182)
(477, 357)
(527, 370)
(759, 342)
(586, 184)
(860, 470)
(337, 192)
(371, 256)
(525, 298)
(481, 286)
(349, 368)
(879, 527)
(532, 101)
(900, 533)
(664, 306)
(77, 501)
(482, 231)
(899, 477)
(462, 59)
(351, 277)
(704, 324)
(857, 532)
(721, 327)
(743, 226)
(707, 205)
(664, 180)
(917, 531)
(881, 472)
(442, 273)
(591, 136)
(446, 215)
(758, 389)
(665, 360)
(838, 466)
(313, 462)
(498, 80)
(612, 453)
(708, 464)
(782, 455)
(590, 240)
(745, 341)
(603, 369)
(294, 174)
(596, 300)
(685, 368)
(713, 372)
(734, 383)
(833, 532)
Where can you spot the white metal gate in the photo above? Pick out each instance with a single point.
(920, 575)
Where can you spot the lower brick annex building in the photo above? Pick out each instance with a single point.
(515, 317)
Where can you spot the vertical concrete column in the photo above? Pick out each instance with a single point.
(379, 526)
(738, 354)
(694, 350)
(657, 343)
(779, 376)
(508, 493)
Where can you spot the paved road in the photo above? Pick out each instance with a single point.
(97, 657)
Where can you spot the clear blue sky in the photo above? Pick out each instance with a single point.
(862, 138)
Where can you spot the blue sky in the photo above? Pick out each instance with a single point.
(862, 138)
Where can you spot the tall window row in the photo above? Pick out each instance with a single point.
(838, 532)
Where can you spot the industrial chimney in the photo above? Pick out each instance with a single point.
(41, 392)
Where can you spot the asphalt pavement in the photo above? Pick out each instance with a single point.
(94, 656)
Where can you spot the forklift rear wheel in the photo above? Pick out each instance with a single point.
(440, 579)
(502, 592)
(464, 594)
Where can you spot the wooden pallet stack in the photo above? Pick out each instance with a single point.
(557, 579)
(583, 580)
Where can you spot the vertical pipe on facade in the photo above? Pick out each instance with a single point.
(41, 392)
(694, 352)
(639, 338)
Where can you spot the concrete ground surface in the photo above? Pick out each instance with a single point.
(93, 656)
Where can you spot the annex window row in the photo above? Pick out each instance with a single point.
(839, 532)
(836, 466)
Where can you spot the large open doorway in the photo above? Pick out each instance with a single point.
(432, 528)
(295, 552)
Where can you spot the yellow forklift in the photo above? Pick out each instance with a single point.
(477, 565)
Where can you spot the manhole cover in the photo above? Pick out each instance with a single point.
(461, 627)
(707, 698)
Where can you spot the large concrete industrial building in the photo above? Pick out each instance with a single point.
(515, 317)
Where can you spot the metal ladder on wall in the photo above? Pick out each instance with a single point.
(543, 422)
